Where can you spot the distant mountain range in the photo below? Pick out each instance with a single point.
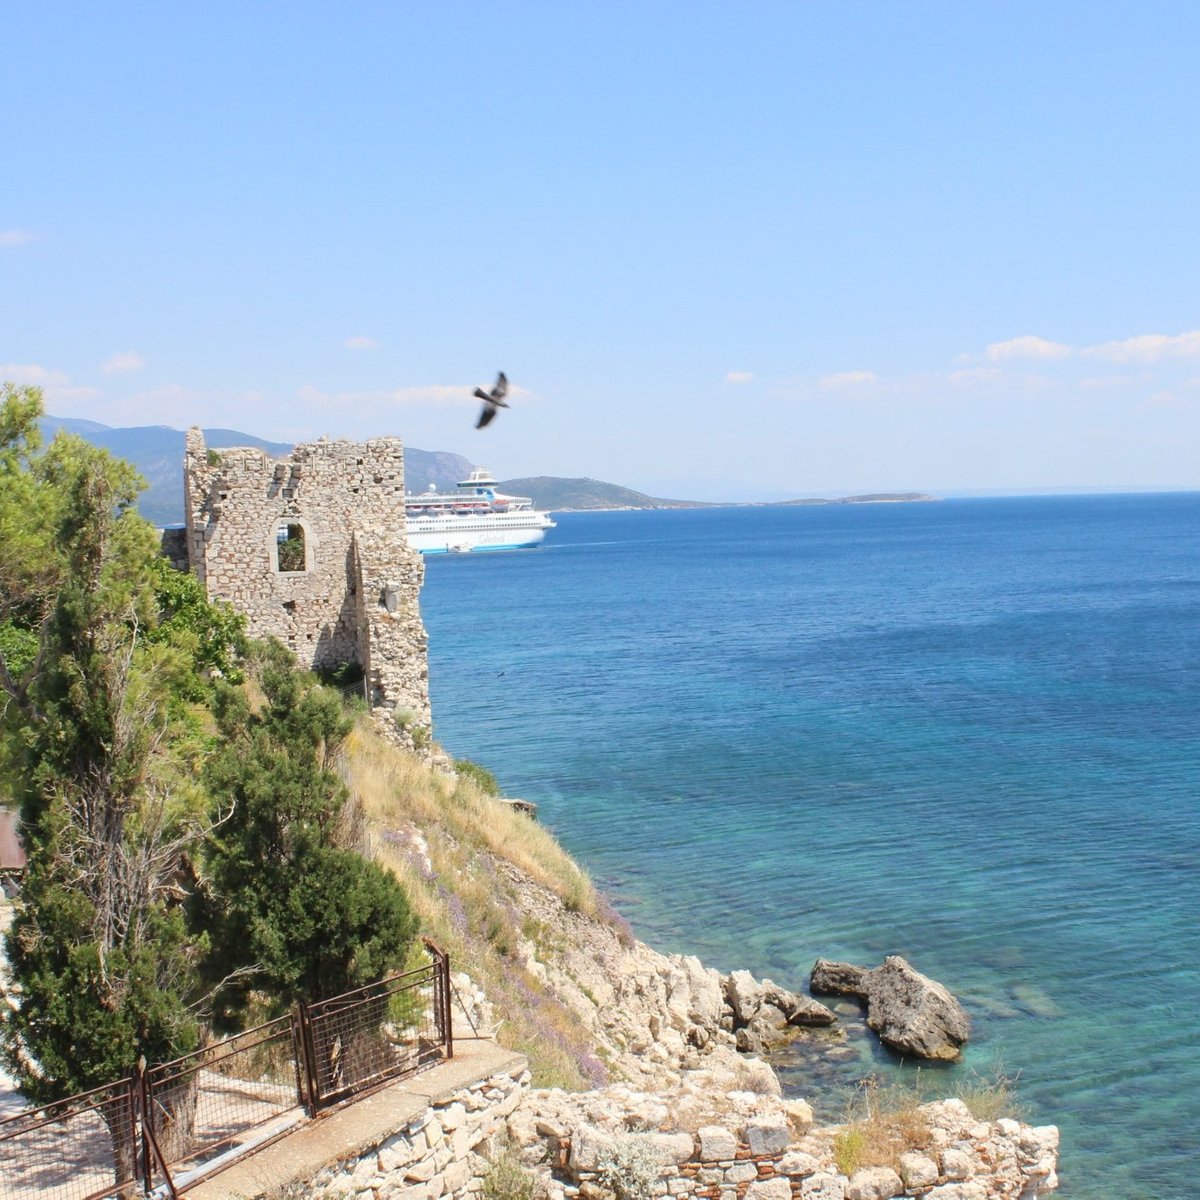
(157, 452)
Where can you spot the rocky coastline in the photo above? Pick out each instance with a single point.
(692, 1050)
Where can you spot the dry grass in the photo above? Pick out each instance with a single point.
(446, 841)
(882, 1123)
(395, 788)
(990, 1097)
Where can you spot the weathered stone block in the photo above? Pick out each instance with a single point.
(769, 1189)
(974, 1190)
(741, 1172)
(588, 1144)
(956, 1164)
(767, 1135)
(796, 1164)
(451, 1117)
(874, 1183)
(717, 1144)
(918, 1170)
(673, 1148)
(823, 1187)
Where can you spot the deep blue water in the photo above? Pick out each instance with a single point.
(967, 732)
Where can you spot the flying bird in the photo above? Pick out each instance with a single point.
(492, 400)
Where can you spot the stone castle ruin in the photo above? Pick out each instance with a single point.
(311, 548)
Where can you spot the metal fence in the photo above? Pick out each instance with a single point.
(171, 1124)
(379, 1032)
(73, 1149)
(207, 1108)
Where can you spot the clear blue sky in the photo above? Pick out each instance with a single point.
(723, 250)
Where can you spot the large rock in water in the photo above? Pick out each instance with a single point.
(914, 1013)
(911, 1012)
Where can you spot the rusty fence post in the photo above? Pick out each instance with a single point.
(151, 1152)
(448, 1013)
(308, 1057)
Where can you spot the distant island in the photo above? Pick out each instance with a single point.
(582, 495)
(157, 452)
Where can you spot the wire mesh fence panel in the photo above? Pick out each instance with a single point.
(222, 1101)
(175, 1122)
(379, 1032)
(76, 1149)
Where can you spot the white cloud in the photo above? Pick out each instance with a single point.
(1148, 347)
(977, 375)
(847, 379)
(16, 237)
(32, 373)
(124, 360)
(360, 342)
(739, 376)
(55, 384)
(1026, 347)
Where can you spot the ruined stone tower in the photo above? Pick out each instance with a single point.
(311, 548)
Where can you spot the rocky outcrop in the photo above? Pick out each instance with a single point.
(654, 1016)
(762, 1014)
(911, 1012)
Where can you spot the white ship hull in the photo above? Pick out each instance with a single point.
(454, 534)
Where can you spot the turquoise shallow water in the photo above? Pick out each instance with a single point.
(967, 732)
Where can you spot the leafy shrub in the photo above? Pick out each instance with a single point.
(477, 774)
(849, 1149)
(629, 1167)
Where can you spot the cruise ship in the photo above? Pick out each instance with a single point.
(477, 517)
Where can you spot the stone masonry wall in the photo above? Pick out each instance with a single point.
(355, 600)
(969, 1161)
(716, 1145)
(436, 1154)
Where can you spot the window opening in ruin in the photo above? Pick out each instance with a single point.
(289, 546)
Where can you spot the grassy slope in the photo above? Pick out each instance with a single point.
(450, 845)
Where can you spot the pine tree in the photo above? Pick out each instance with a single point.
(292, 914)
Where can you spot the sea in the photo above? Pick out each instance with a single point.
(964, 731)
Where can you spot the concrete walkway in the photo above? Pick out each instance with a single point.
(355, 1127)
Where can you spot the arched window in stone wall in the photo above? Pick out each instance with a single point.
(290, 546)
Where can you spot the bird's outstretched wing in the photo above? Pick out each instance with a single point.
(489, 411)
(501, 388)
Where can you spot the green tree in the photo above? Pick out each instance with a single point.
(99, 944)
(291, 912)
(212, 635)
